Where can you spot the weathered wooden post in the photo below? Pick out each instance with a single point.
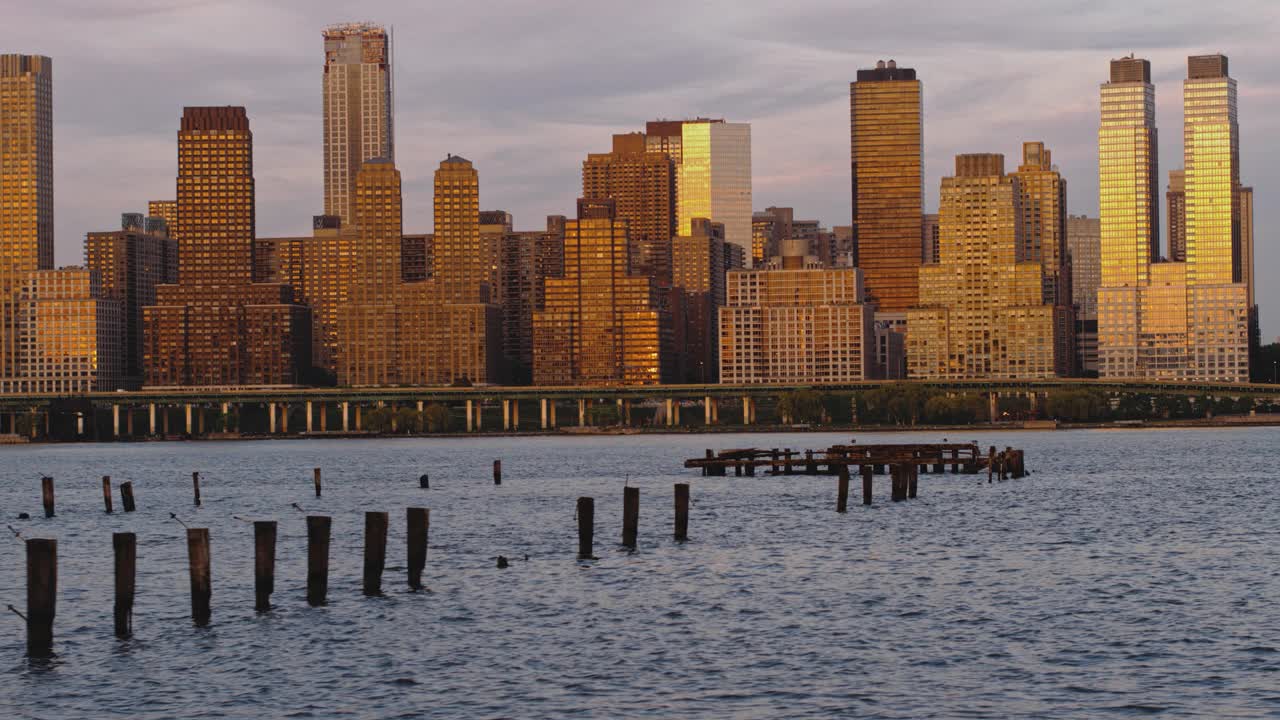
(786, 453)
(126, 566)
(375, 551)
(42, 595)
(315, 476)
(682, 512)
(630, 515)
(955, 461)
(913, 480)
(201, 579)
(318, 527)
(126, 496)
(424, 481)
(773, 465)
(264, 563)
(46, 495)
(106, 493)
(896, 472)
(810, 467)
(497, 472)
(195, 486)
(868, 477)
(842, 492)
(750, 468)
(706, 469)
(991, 463)
(586, 526)
(416, 538)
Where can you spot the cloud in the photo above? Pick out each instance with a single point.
(527, 88)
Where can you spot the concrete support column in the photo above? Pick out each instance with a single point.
(164, 417)
(543, 403)
(706, 410)
(271, 418)
(346, 417)
(200, 420)
(676, 405)
(582, 412)
(187, 413)
(515, 415)
(226, 417)
(746, 410)
(308, 417)
(479, 414)
(470, 415)
(506, 415)
(115, 420)
(626, 412)
(79, 424)
(554, 422)
(670, 412)
(419, 406)
(324, 418)
(128, 421)
(359, 418)
(993, 406)
(152, 412)
(1035, 404)
(284, 418)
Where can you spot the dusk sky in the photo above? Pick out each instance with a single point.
(526, 89)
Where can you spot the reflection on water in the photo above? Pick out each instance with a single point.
(1134, 572)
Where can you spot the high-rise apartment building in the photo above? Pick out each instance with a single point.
(26, 187)
(463, 265)
(370, 324)
(794, 321)
(697, 294)
(129, 264)
(1185, 320)
(528, 259)
(713, 173)
(642, 185)
(166, 210)
(358, 123)
(984, 309)
(1128, 174)
(1043, 203)
(600, 324)
(886, 139)
(1176, 209)
(1084, 247)
(70, 334)
(930, 239)
(216, 326)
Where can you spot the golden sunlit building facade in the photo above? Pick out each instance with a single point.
(984, 310)
(698, 291)
(216, 327)
(600, 324)
(26, 187)
(794, 321)
(886, 131)
(70, 334)
(642, 185)
(358, 109)
(166, 210)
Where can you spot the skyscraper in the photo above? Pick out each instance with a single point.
(600, 324)
(984, 309)
(1084, 246)
(697, 293)
(26, 186)
(216, 326)
(713, 173)
(463, 267)
(1176, 208)
(886, 140)
(369, 338)
(1127, 174)
(643, 187)
(1043, 200)
(358, 123)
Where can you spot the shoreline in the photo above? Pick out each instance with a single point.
(1230, 421)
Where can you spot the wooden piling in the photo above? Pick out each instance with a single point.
(955, 461)
(418, 520)
(913, 480)
(264, 563)
(630, 515)
(318, 527)
(375, 551)
(786, 454)
(315, 476)
(750, 470)
(586, 526)
(46, 495)
(126, 496)
(125, 546)
(497, 472)
(868, 478)
(991, 463)
(842, 492)
(195, 486)
(682, 512)
(201, 579)
(898, 472)
(424, 481)
(42, 595)
(810, 467)
(106, 493)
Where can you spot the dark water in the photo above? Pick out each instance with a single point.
(1134, 573)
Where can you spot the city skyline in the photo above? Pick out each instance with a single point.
(796, 103)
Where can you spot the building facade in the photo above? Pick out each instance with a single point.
(26, 187)
(529, 258)
(129, 264)
(795, 321)
(698, 292)
(358, 122)
(984, 310)
(1176, 209)
(1084, 248)
(886, 139)
(642, 185)
(216, 327)
(600, 324)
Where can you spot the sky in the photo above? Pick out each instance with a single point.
(526, 88)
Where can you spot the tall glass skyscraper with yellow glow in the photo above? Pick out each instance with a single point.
(26, 186)
(1174, 320)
